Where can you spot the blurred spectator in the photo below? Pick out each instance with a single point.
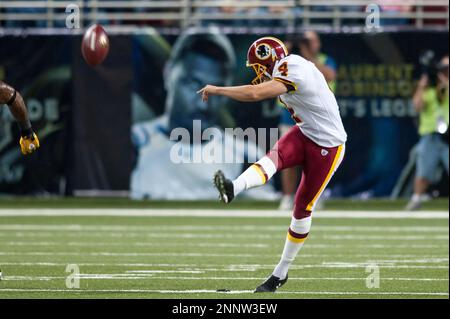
(322, 9)
(392, 8)
(353, 21)
(259, 15)
(284, 15)
(216, 11)
(310, 48)
(435, 9)
(26, 24)
(431, 101)
(229, 13)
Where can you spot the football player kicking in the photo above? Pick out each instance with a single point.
(317, 142)
(29, 142)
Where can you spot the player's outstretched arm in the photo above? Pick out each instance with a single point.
(246, 93)
(29, 142)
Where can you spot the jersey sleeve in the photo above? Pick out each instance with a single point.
(288, 72)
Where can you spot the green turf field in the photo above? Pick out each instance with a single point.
(334, 204)
(192, 257)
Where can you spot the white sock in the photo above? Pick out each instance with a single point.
(418, 198)
(287, 202)
(256, 175)
(293, 245)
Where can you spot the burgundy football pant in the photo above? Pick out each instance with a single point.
(318, 163)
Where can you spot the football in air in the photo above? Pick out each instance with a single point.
(95, 45)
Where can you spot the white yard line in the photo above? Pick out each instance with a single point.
(205, 291)
(406, 259)
(384, 237)
(184, 254)
(109, 244)
(136, 275)
(224, 268)
(33, 242)
(220, 213)
(244, 235)
(237, 228)
(436, 263)
(224, 245)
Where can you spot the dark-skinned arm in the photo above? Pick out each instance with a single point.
(9, 96)
(16, 105)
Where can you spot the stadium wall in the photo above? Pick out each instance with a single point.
(85, 116)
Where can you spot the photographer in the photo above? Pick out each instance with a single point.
(431, 101)
(310, 46)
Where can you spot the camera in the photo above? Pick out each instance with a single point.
(431, 65)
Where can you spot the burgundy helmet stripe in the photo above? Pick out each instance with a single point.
(281, 44)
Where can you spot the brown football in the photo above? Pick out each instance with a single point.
(95, 45)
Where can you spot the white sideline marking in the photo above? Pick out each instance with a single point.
(96, 244)
(204, 291)
(237, 228)
(220, 213)
(135, 275)
(227, 268)
(187, 254)
(315, 246)
(424, 258)
(169, 235)
(223, 245)
(388, 264)
(376, 237)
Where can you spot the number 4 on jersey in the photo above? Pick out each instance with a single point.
(283, 68)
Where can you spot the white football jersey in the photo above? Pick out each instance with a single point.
(310, 101)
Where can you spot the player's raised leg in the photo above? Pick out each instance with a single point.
(318, 168)
(256, 175)
(287, 152)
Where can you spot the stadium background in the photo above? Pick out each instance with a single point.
(189, 249)
(70, 101)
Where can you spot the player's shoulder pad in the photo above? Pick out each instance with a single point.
(289, 71)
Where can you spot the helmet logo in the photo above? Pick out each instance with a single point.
(263, 51)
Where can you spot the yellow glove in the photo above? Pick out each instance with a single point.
(28, 144)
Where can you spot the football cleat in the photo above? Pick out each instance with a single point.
(224, 186)
(271, 284)
(413, 205)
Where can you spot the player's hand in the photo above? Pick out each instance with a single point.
(423, 82)
(29, 143)
(443, 80)
(206, 91)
